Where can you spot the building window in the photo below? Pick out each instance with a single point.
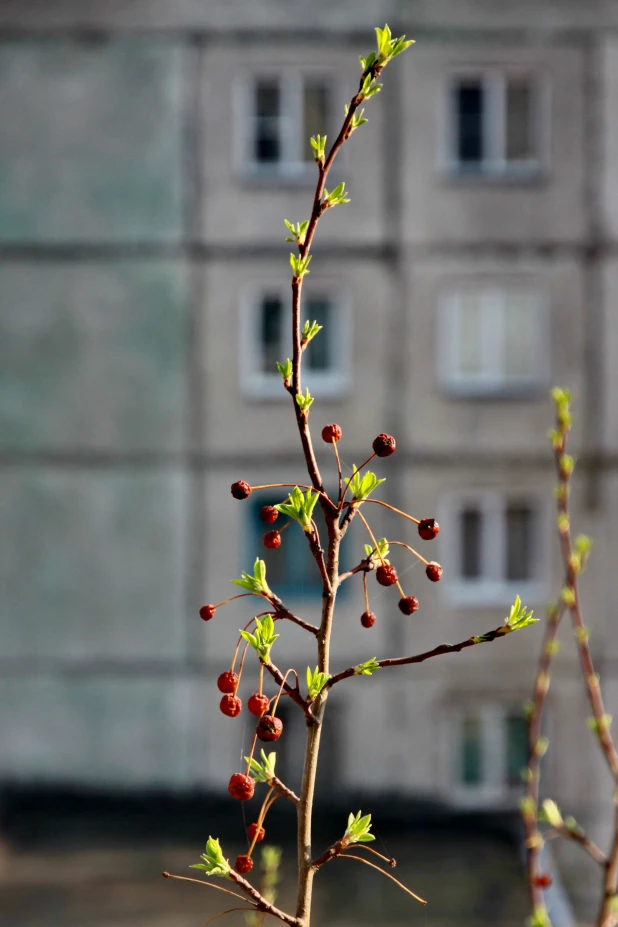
(290, 569)
(497, 122)
(281, 113)
(493, 551)
(266, 337)
(489, 750)
(492, 339)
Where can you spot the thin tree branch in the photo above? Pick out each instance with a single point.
(346, 855)
(283, 612)
(260, 902)
(228, 911)
(487, 638)
(578, 835)
(218, 888)
(294, 693)
(283, 790)
(364, 566)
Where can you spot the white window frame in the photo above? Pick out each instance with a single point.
(492, 381)
(494, 789)
(495, 164)
(331, 384)
(291, 81)
(491, 588)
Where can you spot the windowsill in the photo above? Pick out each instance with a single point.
(485, 797)
(272, 389)
(461, 594)
(509, 177)
(281, 175)
(496, 391)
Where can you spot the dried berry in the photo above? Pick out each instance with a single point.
(255, 834)
(434, 571)
(269, 514)
(368, 619)
(230, 705)
(408, 604)
(269, 728)
(258, 704)
(240, 489)
(428, 528)
(227, 682)
(241, 787)
(207, 612)
(272, 540)
(331, 433)
(243, 864)
(386, 574)
(384, 445)
(544, 880)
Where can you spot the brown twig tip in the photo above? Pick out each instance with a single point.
(165, 875)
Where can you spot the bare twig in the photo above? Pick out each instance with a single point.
(261, 903)
(217, 888)
(346, 855)
(487, 638)
(294, 693)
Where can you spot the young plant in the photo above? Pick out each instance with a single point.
(356, 494)
(574, 552)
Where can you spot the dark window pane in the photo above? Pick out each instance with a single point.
(315, 121)
(519, 120)
(271, 325)
(516, 748)
(267, 142)
(519, 525)
(318, 354)
(471, 750)
(469, 114)
(470, 540)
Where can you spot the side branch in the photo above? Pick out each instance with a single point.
(421, 657)
(282, 612)
(260, 902)
(283, 790)
(293, 692)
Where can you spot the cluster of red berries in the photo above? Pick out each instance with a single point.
(269, 728)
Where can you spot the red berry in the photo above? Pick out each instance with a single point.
(386, 574)
(269, 514)
(408, 604)
(368, 619)
(428, 528)
(243, 864)
(227, 682)
(434, 571)
(544, 880)
(258, 704)
(384, 445)
(269, 728)
(207, 612)
(230, 705)
(272, 540)
(252, 830)
(241, 787)
(240, 489)
(331, 433)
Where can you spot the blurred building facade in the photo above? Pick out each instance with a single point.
(149, 153)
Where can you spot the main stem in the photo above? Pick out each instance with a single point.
(306, 871)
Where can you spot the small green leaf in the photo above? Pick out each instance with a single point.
(362, 486)
(286, 371)
(264, 637)
(318, 143)
(297, 232)
(336, 198)
(299, 265)
(519, 617)
(315, 682)
(381, 553)
(358, 829)
(264, 771)
(257, 583)
(367, 668)
(310, 330)
(304, 402)
(214, 861)
(550, 813)
(300, 507)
